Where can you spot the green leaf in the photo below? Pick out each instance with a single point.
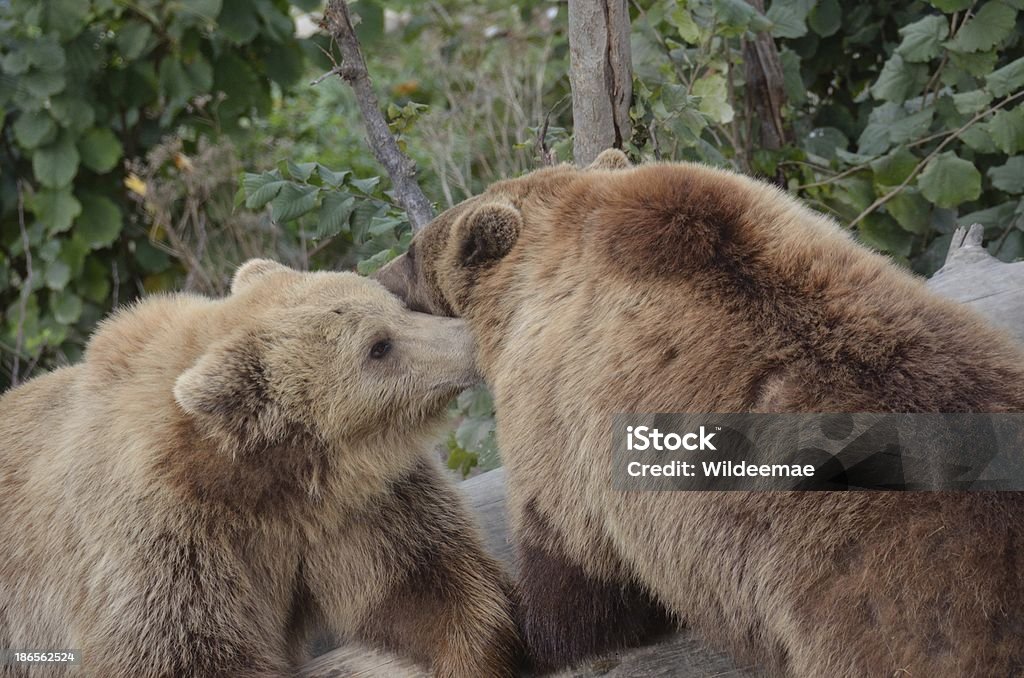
(152, 259)
(73, 253)
(911, 127)
(714, 98)
(969, 103)
(892, 169)
(1007, 79)
(44, 84)
(238, 21)
(284, 63)
(371, 22)
(261, 188)
(55, 165)
(174, 81)
(374, 263)
(46, 53)
(301, 171)
(826, 18)
(950, 6)
(74, 114)
(977, 64)
(236, 79)
(459, 459)
(789, 17)
(383, 224)
(881, 232)
(1009, 177)
(989, 27)
(335, 210)
(978, 138)
(67, 17)
(279, 26)
(874, 140)
(16, 62)
(100, 150)
(823, 142)
(56, 209)
(34, 129)
(476, 402)
(100, 222)
(1007, 130)
(133, 39)
(57, 275)
(911, 211)
(992, 217)
(922, 40)
(330, 177)
(365, 185)
(66, 307)
(93, 284)
(949, 180)
(205, 10)
(293, 201)
(200, 74)
(682, 20)
(737, 16)
(899, 80)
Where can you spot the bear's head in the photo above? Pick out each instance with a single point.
(447, 257)
(291, 356)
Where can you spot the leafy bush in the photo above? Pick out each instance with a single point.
(85, 85)
(907, 119)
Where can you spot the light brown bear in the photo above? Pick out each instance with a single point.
(219, 476)
(682, 288)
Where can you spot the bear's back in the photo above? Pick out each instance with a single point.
(675, 270)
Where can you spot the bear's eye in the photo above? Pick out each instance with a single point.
(380, 349)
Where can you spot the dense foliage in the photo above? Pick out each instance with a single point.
(158, 143)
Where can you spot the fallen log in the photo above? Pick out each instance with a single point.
(970, 275)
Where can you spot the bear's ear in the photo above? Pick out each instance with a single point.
(610, 159)
(487, 233)
(253, 270)
(228, 382)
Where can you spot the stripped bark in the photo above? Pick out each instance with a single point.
(766, 92)
(399, 166)
(601, 76)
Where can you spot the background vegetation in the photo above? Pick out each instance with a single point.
(149, 145)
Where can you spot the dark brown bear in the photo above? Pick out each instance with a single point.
(681, 288)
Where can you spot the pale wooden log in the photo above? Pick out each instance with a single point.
(971, 275)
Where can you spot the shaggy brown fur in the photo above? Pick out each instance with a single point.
(218, 477)
(675, 288)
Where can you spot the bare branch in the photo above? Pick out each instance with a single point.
(26, 290)
(398, 165)
(938, 149)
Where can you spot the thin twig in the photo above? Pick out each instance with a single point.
(938, 149)
(399, 166)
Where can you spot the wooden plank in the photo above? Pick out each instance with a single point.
(971, 275)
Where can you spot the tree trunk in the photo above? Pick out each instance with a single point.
(601, 75)
(766, 92)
